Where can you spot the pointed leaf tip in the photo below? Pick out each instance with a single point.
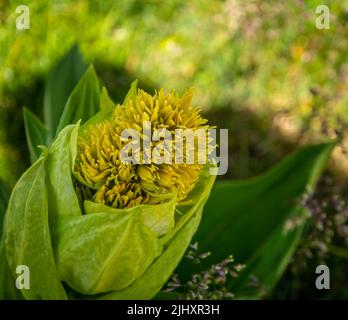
(132, 93)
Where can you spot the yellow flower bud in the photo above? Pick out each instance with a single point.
(120, 185)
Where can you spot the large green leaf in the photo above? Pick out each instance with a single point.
(36, 134)
(104, 227)
(60, 83)
(111, 251)
(27, 235)
(270, 260)
(83, 103)
(151, 282)
(247, 218)
(61, 158)
(175, 244)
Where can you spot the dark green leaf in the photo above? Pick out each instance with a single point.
(107, 107)
(246, 218)
(84, 101)
(36, 134)
(60, 83)
(270, 260)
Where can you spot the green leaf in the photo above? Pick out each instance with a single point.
(270, 260)
(60, 83)
(246, 218)
(27, 235)
(106, 103)
(8, 290)
(128, 243)
(159, 218)
(36, 134)
(110, 252)
(175, 244)
(60, 159)
(127, 240)
(132, 93)
(84, 101)
(151, 282)
(107, 107)
(197, 197)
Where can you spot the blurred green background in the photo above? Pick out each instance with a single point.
(260, 68)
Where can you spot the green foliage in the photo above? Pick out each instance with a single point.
(27, 235)
(115, 249)
(240, 218)
(248, 218)
(60, 160)
(264, 57)
(154, 278)
(36, 134)
(60, 83)
(132, 92)
(127, 239)
(174, 244)
(70, 96)
(94, 249)
(84, 101)
(245, 65)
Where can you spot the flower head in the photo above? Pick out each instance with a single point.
(106, 178)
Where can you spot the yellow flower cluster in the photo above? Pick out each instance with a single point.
(104, 178)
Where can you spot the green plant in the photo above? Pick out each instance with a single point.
(79, 247)
(120, 252)
(250, 219)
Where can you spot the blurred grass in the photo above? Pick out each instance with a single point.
(268, 56)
